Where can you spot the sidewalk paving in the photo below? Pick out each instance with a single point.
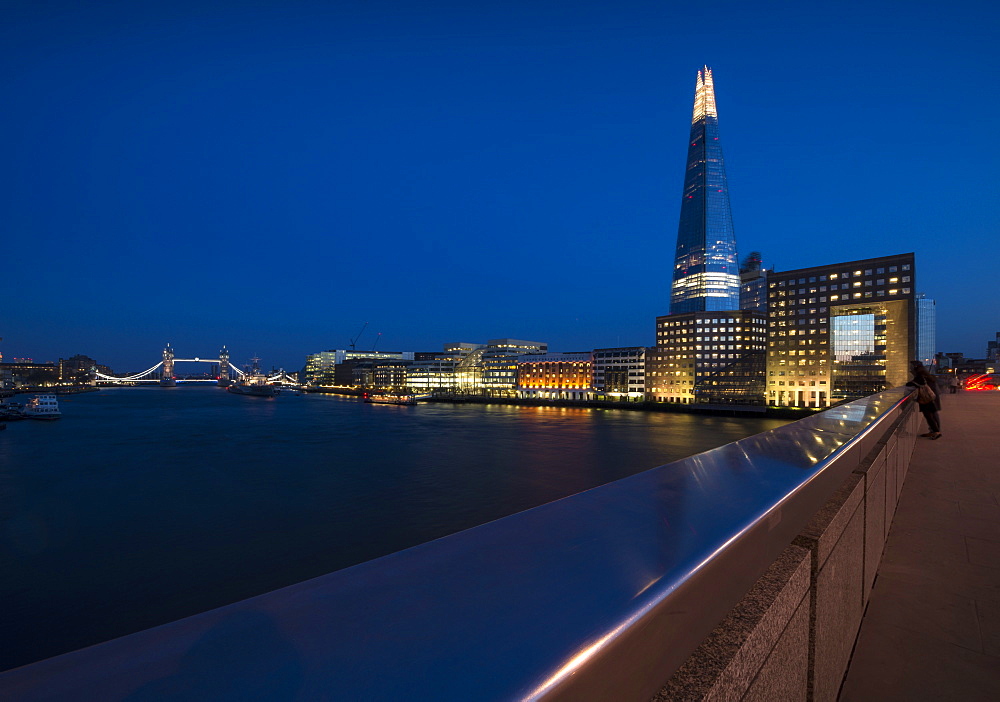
(932, 627)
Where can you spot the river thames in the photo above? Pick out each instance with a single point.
(144, 505)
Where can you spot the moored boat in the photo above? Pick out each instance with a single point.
(255, 389)
(389, 399)
(253, 383)
(42, 407)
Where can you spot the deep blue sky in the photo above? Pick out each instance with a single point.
(271, 175)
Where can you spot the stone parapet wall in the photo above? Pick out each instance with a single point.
(791, 637)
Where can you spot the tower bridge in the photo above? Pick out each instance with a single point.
(164, 372)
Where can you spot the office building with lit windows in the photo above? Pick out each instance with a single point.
(556, 376)
(431, 371)
(706, 275)
(840, 331)
(708, 358)
(620, 374)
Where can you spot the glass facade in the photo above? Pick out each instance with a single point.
(706, 274)
(926, 330)
(858, 343)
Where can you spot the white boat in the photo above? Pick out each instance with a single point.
(42, 407)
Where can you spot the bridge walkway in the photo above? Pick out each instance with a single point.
(932, 627)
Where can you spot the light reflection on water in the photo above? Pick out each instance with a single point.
(143, 505)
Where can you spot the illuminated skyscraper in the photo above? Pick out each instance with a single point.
(706, 274)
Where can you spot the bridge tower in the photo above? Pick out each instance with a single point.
(224, 366)
(167, 378)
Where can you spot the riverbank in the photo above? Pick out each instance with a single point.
(644, 406)
(58, 390)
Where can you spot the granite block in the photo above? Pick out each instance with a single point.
(876, 526)
(839, 606)
(822, 533)
(891, 495)
(894, 479)
(785, 674)
(727, 662)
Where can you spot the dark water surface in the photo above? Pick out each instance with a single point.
(144, 505)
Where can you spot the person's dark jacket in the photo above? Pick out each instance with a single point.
(921, 380)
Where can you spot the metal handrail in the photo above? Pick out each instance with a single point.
(600, 595)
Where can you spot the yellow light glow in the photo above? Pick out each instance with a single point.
(704, 96)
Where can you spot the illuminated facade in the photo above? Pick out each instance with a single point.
(840, 331)
(706, 276)
(499, 364)
(337, 366)
(556, 376)
(708, 358)
(434, 371)
(320, 368)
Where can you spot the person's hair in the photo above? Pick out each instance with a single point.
(919, 370)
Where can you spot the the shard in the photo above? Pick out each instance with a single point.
(706, 274)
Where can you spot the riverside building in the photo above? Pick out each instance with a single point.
(840, 331)
(620, 373)
(337, 366)
(556, 376)
(434, 371)
(708, 358)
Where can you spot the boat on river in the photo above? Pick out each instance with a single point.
(253, 383)
(388, 399)
(250, 388)
(42, 407)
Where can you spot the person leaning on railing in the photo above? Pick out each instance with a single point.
(926, 396)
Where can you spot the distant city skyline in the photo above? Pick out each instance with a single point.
(271, 177)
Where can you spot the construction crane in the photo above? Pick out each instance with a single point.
(358, 336)
(376, 340)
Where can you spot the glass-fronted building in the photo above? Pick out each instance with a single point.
(753, 284)
(840, 331)
(926, 330)
(706, 275)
